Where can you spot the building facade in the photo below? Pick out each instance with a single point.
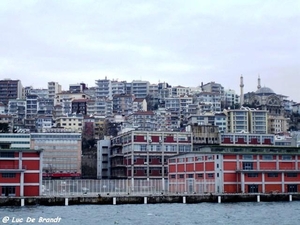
(62, 153)
(236, 170)
(10, 89)
(20, 171)
(246, 120)
(143, 155)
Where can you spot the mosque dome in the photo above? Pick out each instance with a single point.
(265, 91)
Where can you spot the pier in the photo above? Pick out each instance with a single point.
(142, 199)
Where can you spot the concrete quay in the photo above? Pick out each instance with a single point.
(142, 199)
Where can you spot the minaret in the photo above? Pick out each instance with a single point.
(242, 91)
(258, 83)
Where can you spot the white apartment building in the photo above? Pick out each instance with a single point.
(203, 119)
(103, 88)
(43, 123)
(139, 104)
(230, 98)
(140, 88)
(70, 122)
(221, 122)
(31, 106)
(247, 120)
(41, 93)
(277, 124)
(64, 99)
(211, 100)
(53, 89)
(100, 107)
(163, 119)
(179, 91)
(213, 87)
(153, 89)
(118, 87)
(258, 121)
(17, 108)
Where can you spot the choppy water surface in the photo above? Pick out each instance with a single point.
(282, 213)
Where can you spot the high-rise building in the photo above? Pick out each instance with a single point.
(10, 90)
(53, 89)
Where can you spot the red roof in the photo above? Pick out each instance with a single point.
(138, 100)
(144, 113)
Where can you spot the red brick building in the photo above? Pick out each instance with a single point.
(236, 169)
(20, 171)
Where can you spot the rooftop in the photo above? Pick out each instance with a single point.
(265, 91)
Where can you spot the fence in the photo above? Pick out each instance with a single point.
(123, 187)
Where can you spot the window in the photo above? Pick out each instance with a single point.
(172, 160)
(190, 159)
(286, 157)
(272, 174)
(267, 157)
(190, 175)
(247, 166)
(291, 174)
(8, 175)
(181, 175)
(7, 154)
(200, 158)
(252, 174)
(210, 157)
(200, 175)
(248, 157)
(173, 176)
(143, 147)
(210, 175)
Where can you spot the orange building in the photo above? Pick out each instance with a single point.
(20, 171)
(236, 169)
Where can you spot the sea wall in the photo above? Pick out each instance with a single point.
(150, 199)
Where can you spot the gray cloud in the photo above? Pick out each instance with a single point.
(174, 41)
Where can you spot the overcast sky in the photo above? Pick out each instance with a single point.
(179, 42)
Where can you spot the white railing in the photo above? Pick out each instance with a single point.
(124, 187)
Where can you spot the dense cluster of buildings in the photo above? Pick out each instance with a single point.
(197, 139)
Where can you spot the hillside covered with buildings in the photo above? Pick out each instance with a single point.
(122, 130)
